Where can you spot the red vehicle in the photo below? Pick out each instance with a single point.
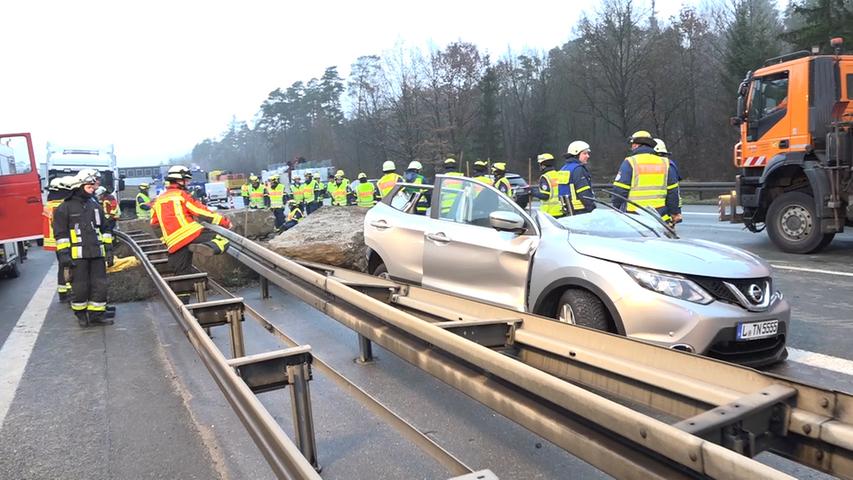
(20, 200)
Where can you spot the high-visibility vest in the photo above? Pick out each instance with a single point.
(277, 196)
(175, 211)
(308, 190)
(47, 224)
(577, 204)
(110, 207)
(339, 192)
(423, 203)
(294, 214)
(256, 196)
(387, 182)
(142, 199)
(503, 185)
(484, 179)
(244, 190)
(296, 192)
(648, 182)
(552, 205)
(365, 194)
(450, 190)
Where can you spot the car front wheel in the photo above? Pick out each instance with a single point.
(582, 307)
(381, 271)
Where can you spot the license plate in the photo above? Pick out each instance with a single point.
(751, 331)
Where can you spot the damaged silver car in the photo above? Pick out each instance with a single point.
(623, 273)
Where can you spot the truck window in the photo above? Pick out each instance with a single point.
(769, 95)
(850, 86)
(14, 157)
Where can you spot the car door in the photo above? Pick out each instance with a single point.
(464, 255)
(397, 236)
(20, 189)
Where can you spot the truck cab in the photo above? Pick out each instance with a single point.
(20, 200)
(795, 115)
(68, 160)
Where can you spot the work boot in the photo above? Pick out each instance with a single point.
(64, 297)
(110, 312)
(98, 319)
(202, 249)
(82, 318)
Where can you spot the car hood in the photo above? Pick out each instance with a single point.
(689, 257)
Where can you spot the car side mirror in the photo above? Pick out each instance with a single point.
(507, 222)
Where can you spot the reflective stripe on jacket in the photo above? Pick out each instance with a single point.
(365, 194)
(142, 199)
(276, 196)
(175, 211)
(386, 183)
(339, 192)
(648, 183)
(47, 224)
(552, 205)
(256, 196)
(296, 192)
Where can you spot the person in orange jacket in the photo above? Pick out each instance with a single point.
(176, 212)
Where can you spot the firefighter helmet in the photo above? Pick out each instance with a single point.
(544, 157)
(55, 185)
(339, 174)
(362, 176)
(177, 173)
(143, 186)
(642, 137)
(450, 162)
(87, 176)
(499, 167)
(254, 178)
(415, 165)
(273, 178)
(660, 148)
(388, 166)
(577, 147)
(480, 163)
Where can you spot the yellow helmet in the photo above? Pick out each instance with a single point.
(449, 161)
(499, 167)
(273, 177)
(339, 174)
(480, 163)
(544, 157)
(362, 176)
(143, 186)
(642, 137)
(254, 178)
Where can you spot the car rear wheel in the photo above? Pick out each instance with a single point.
(582, 307)
(381, 271)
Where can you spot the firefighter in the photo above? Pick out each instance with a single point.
(501, 182)
(339, 190)
(451, 168)
(365, 192)
(84, 244)
(57, 192)
(413, 175)
(548, 191)
(389, 178)
(258, 195)
(646, 180)
(296, 193)
(143, 202)
(661, 150)
(175, 212)
(450, 187)
(311, 193)
(575, 181)
(276, 198)
(109, 205)
(244, 192)
(481, 171)
(294, 216)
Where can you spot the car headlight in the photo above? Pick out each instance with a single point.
(670, 285)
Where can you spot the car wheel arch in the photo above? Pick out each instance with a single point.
(373, 261)
(546, 304)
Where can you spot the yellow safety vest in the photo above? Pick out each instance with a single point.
(308, 190)
(141, 199)
(276, 196)
(338, 192)
(552, 205)
(365, 194)
(297, 193)
(292, 214)
(450, 189)
(256, 196)
(244, 190)
(484, 179)
(507, 188)
(648, 182)
(387, 182)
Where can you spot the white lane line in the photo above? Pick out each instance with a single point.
(15, 352)
(710, 214)
(812, 270)
(819, 360)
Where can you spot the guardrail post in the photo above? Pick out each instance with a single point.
(365, 349)
(303, 420)
(265, 287)
(235, 321)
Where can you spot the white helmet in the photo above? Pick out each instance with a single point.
(577, 147)
(86, 176)
(55, 185)
(415, 165)
(660, 148)
(100, 191)
(66, 182)
(178, 172)
(388, 166)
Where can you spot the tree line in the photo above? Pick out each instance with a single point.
(624, 70)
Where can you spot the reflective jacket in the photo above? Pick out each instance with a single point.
(577, 186)
(295, 214)
(47, 221)
(110, 207)
(296, 192)
(365, 194)
(309, 190)
(386, 183)
(175, 212)
(648, 180)
(549, 188)
(339, 193)
(256, 196)
(78, 224)
(143, 205)
(276, 196)
(485, 179)
(450, 189)
(504, 186)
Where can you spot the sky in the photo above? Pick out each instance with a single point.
(156, 77)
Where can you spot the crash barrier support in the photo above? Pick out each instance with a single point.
(283, 456)
(365, 349)
(548, 385)
(698, 187)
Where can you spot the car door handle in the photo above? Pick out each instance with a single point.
(439, 237)
(33, 200)
(379, 224)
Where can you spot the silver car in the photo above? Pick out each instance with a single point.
(624, 273)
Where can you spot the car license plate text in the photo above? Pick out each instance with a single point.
(751, 331)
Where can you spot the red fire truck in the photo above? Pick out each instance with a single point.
(20, 200)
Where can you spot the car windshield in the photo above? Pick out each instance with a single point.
(604, 222)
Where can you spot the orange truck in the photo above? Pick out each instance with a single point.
(795, 115)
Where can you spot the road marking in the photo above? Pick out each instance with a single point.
(15, 352)
(812, 270)
(701, 213)
(819, 360)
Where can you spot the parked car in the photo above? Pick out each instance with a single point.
(609, 270)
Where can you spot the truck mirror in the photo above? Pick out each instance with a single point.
(121, 184)
(735, 121)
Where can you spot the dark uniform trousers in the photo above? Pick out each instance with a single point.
(279, 217)
(89, 277)
(181, 262)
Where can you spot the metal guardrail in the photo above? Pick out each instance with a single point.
(685, 186)
(714, 405)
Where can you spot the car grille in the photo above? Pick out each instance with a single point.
(754, 352)
(720, 290)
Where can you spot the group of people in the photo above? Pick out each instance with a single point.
(647, 178)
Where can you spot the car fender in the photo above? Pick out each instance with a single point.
(562, 283)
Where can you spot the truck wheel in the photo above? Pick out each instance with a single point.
(581, 307)
(793, 225)
(13, 270)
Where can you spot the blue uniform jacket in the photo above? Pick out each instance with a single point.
(580, 177)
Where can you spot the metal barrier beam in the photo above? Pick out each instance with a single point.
(488, 333)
